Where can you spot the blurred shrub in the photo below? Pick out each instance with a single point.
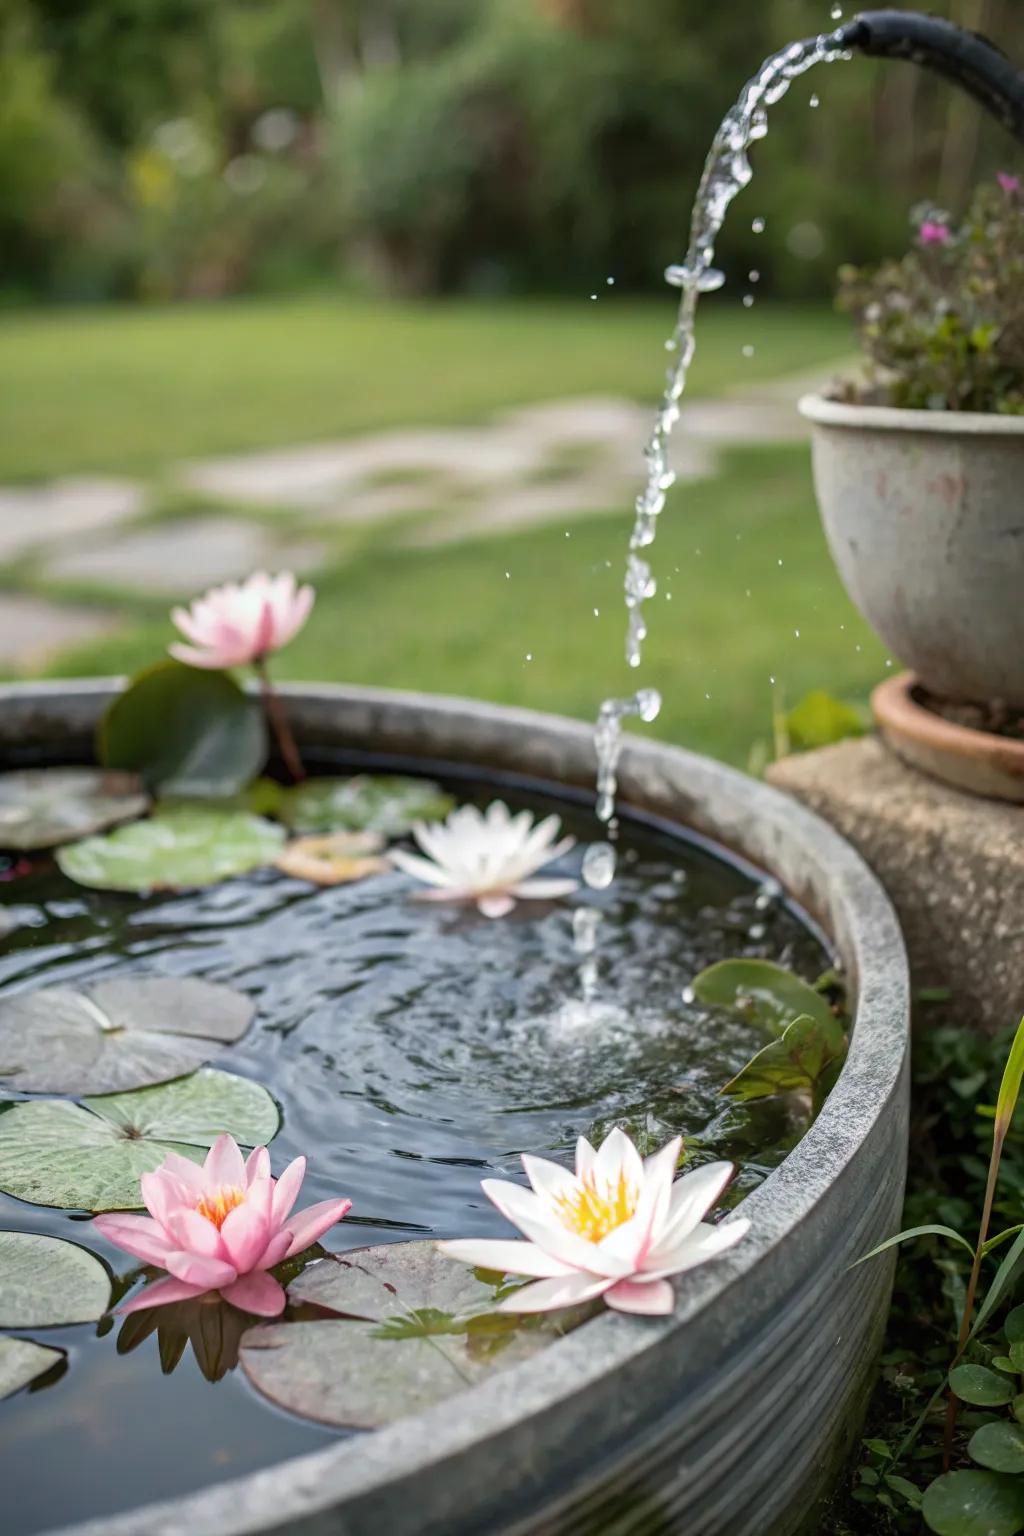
(450, 145)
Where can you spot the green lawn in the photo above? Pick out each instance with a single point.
(746, 592)
(128, 389)
(746, 587)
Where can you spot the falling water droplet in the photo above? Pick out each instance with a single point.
(585, 923)
(648, 704)
(836, 13)
(610, 281)
(529, 655)
(815, 101)
(748, 300)
(754, 275)
(599, 866)
(593, 295)
(689, 995)
(757, 225)
(597, 613)
(797, 633)
(771, 679)
(748, 350)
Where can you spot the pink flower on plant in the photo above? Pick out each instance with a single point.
(220, 1227)
(242, 622)
(617, 1228)
(932, 232)
(1010, 184)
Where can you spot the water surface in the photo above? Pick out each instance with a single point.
(414, 1049)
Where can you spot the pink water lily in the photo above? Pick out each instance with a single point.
(489, 858)
(617, 1227)
(240, 623)
(220, 1227)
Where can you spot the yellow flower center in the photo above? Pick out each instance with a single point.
(218, 1206)
(593, 1212)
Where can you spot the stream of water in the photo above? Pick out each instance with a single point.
(726, 172)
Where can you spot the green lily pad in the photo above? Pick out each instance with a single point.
(42, 807)
(178, 849)
(48, 1283)
(186, 731)
(803, 1059)
(90, 1157)
(388, 804)
(975, 1504)
(21, 1362)
(116, 1035)
(410, 1328)
(765, 994)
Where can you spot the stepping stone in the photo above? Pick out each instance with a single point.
(32, 630)
(180, 558)
(34, 515)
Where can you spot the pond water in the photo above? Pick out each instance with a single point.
(414, 1049)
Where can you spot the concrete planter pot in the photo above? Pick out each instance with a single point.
(924, 515)
(729, 1418)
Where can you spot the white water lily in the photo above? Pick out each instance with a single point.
(487, 857)
(617, 1228)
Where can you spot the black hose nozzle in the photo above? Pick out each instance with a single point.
(966, 58)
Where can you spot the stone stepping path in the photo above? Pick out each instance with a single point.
(33, 630)
(176, 559)
(554, 462)
(31, 516)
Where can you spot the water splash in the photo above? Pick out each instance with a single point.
(726, 172)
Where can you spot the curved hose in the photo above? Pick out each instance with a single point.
(966, 58)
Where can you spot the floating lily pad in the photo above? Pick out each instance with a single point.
(90, 1157)
(765, 994)
(21, 1362)
(804, 1059)
(178, 849)
(186, 731)
(48, 1283)
(410, 1329)
(41, 807)
(337, 858)
(388, 804)
(116, 1035)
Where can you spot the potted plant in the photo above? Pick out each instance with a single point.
(919, 473)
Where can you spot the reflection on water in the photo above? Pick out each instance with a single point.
(414, 1048)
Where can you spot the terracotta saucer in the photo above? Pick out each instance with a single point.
(976, 761)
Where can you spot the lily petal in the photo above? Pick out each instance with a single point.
(655, 1299)
(257, 1292)
(505, 1258)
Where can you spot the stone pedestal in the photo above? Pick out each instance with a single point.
(953, 866)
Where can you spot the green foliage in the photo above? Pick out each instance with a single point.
(958, 1079)
(810, 1045)
(186, 731)
(820, 720)
(943, 328)
(475, 144)
(805, 1060)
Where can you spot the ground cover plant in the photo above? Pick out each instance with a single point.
(957, 1077)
